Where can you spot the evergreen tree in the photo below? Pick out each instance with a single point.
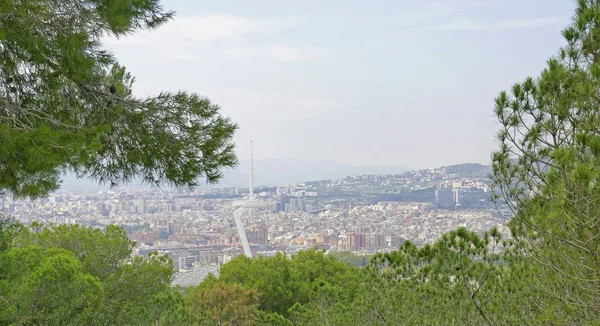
(71, 275)
(547, 170)
(218, 303)
(66, 104)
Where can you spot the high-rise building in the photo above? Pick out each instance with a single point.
(209, 257)
(357, 241)
(144, 237)
(375, 241)
(102, 209)
(258, 235)
(297, 204)
(457, 196)
(169, 207)
(263, 235)
(187, 262)
(282, 204)
(444, 198)
(301, 204)
(141, 206)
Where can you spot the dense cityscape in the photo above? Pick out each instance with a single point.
(361, 214)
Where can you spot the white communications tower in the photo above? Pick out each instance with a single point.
(246, 206)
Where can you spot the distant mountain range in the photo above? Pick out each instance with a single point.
(266, 173)
(284, 172)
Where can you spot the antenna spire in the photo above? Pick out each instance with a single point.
(243, 207)
(251, 195)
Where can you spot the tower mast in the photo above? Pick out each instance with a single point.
(251, 194)
(244, 207)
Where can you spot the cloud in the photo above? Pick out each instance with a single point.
(187, 39)
(458, 15)
(465, 24)
(209, 28)
(534, 22)
(283, 106)
(419, 13)
(283, 53)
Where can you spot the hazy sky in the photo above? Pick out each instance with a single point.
(366, 83)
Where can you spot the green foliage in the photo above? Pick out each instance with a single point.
(52, 289)
(218, 303)
(546, 170)
(270, 276)
(9, 228)
(271, 319)
(168, 307)
(463, 278)
(459, 272)
(351, 258)
(66, 104)
(100, 251)
(284, 282)
(59, 275)
(134, 289)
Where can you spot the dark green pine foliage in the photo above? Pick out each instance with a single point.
(548, 171)
(61, 275)
(462, 279)
(283, 283)
(65, 103)
(71, 275)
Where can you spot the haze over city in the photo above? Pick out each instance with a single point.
(377, 83)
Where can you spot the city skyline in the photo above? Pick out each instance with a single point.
(417, 206)
(407, 83)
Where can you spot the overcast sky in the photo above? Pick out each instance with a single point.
(366, 83)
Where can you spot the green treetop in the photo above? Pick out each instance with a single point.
(547, 170)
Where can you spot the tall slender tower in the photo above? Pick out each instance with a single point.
(246, 206)
(251, 193)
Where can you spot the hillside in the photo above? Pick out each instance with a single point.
(266, 173)
(282, 172)
(474, 170)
